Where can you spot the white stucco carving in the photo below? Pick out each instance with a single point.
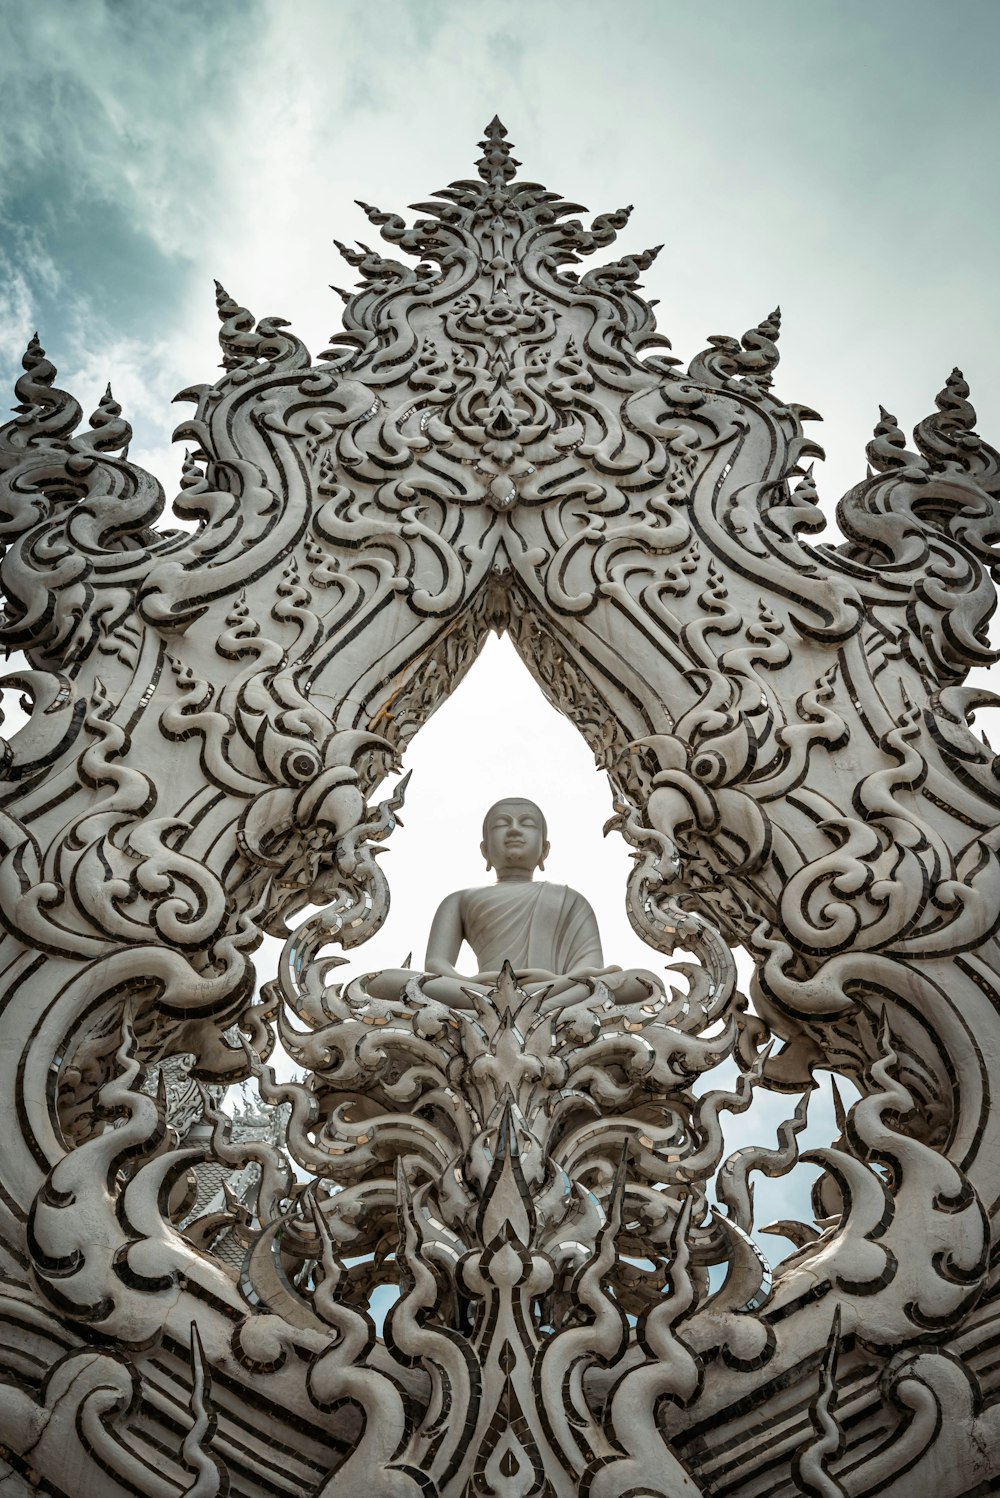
(497, 439)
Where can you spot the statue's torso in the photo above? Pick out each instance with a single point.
(530, 925)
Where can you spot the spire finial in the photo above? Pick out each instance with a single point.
(887, 449)
(237, 338)
(34, 353)
(496, 166)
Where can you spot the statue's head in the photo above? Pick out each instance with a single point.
(515, 837)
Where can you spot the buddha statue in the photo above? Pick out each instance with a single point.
(547, 932)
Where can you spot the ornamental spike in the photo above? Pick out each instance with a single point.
(228, 307)
(236, 336)
(110, 432)
(496, 166)
(887, 449)
(768, 327)
(946, 438)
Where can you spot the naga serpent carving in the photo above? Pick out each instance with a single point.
(496, 440)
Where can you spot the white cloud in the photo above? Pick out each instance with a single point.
(16, 310)
(27, 274)
(123, 103)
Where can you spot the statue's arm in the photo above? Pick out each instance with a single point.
(588, 957)
(447, 935)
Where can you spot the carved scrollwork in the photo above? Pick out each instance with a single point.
(496, 440)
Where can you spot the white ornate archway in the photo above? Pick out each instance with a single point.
(496, 440)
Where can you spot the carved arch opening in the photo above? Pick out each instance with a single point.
(495, 439)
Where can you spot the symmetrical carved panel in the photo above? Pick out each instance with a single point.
(496, 440)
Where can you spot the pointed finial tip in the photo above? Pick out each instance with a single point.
(839, 1111)
(33, 355)
(496, 166)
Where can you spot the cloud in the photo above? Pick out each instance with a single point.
(117, 154)
(29, 277)
(123, 104)
(16, 310)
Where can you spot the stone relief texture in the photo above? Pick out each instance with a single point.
(495, 440)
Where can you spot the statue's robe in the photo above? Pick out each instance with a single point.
(531, 925)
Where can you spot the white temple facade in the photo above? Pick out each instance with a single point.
(533, 1157)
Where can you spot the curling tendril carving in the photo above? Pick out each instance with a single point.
(495, 440)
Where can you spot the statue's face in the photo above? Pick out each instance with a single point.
(514, 837)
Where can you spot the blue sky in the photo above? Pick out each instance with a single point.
(840, 159)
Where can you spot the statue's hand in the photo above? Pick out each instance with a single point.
(523, 976)
(443, 969)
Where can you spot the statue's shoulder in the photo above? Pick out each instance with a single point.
(576, 901)
(561, 894)
(454, 898)
(451, 903)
